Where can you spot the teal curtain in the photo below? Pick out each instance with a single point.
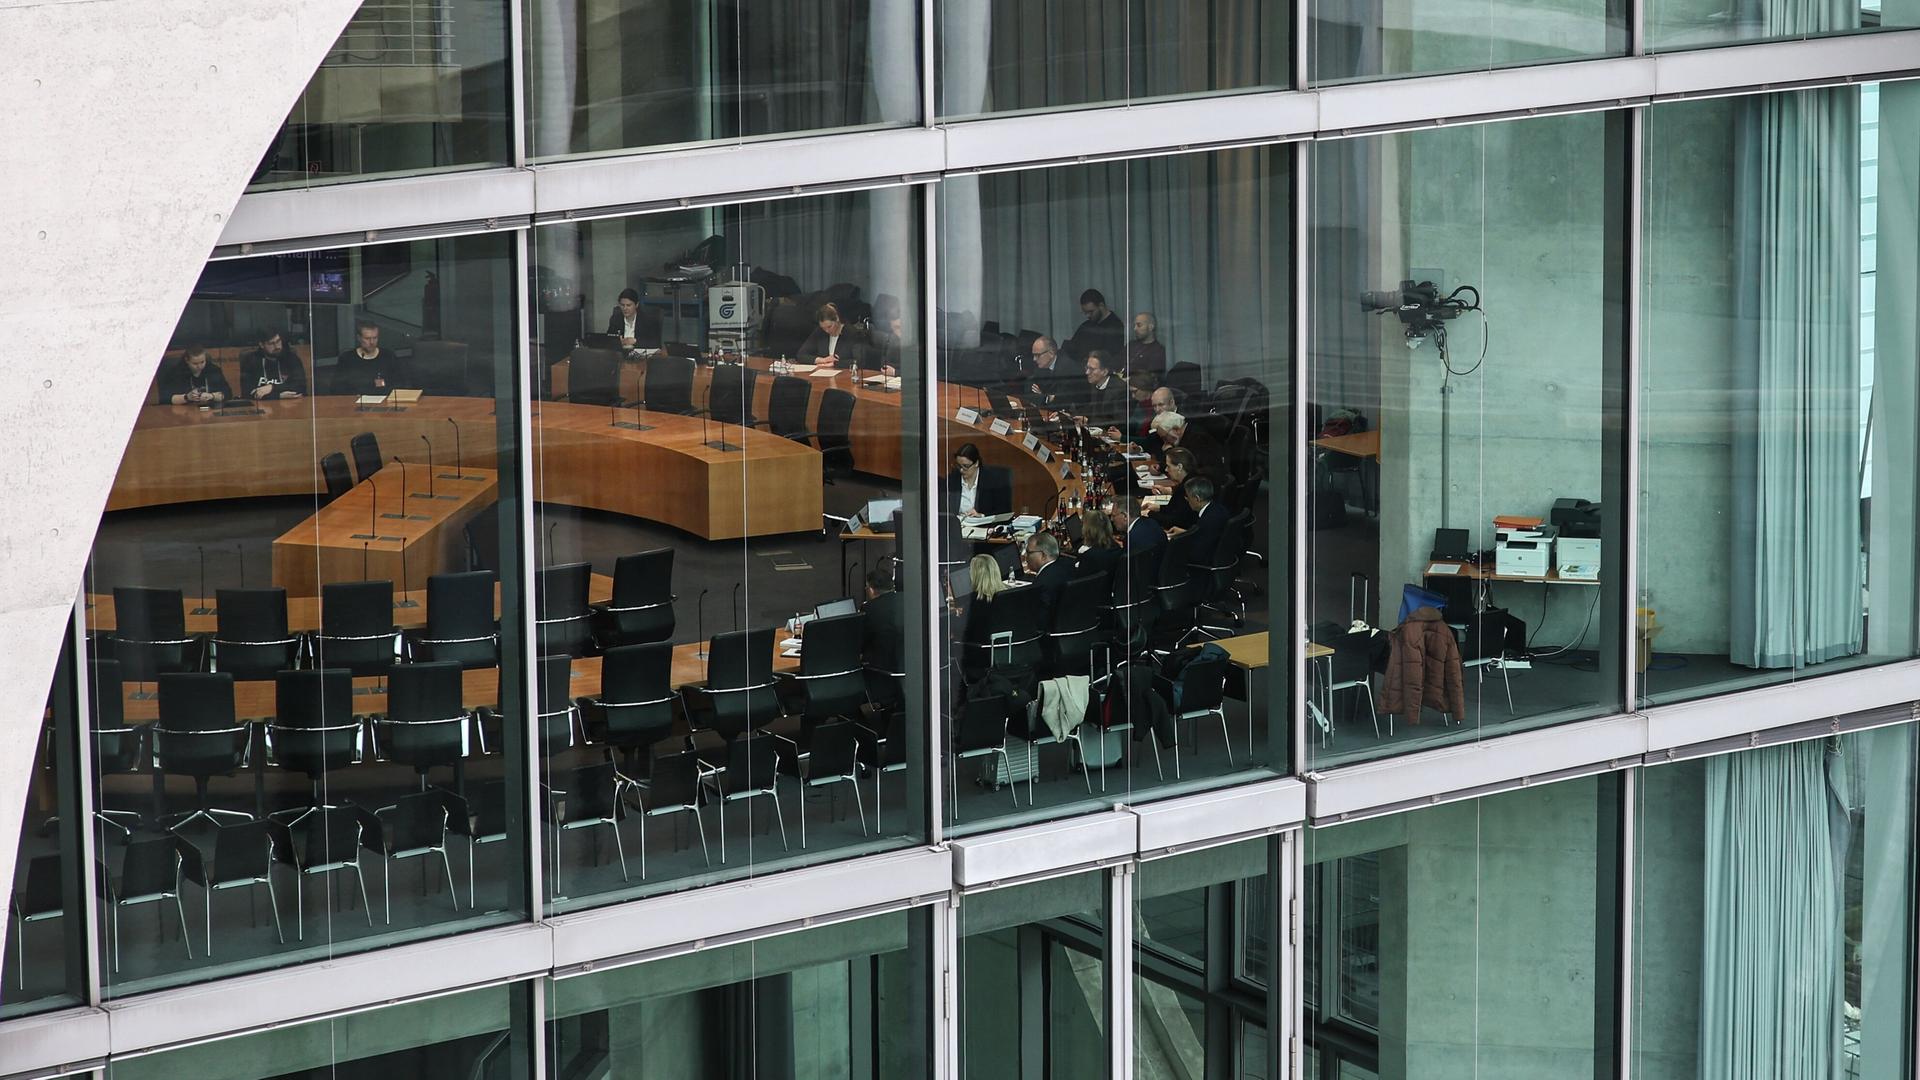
(1770, 987)
(1797, 564)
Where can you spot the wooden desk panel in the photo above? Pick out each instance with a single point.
(335, 544)
(303, 612)
(668, 474)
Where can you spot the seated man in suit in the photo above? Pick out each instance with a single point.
(194, 380)
(272, 370)
(367, 368)
(884, 649)
(1209, 522)
(1141, 534)
(1104, 402)
(1174, 430)
(1047, 386)
(835, 344)
(976, 490)
(1050, 572)
(631, 325)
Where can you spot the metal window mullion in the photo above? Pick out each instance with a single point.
(931, 604)
(517, 72)
(929, 110)
(1302, 16)
(1629, 842)
(1119, 980)
(80, 739)
(1294, 640)
(944, 1030)
(1630, 401)
(534, 873)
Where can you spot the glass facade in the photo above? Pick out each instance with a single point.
(1772, 549)
(1009, 56)
(994, 480)
(605, 76)
(410, 87)
(297, 609)
(1775, 901)
(1112, 365)
(1461, 555)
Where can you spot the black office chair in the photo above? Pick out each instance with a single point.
(831, 682)
(1075, 629)
(635, 708)
(460, 624)
(1174, 590)
(836, 447)
(151, 872)
(333, 469)
(1016, 630)
(197, 735)
(557, 715)
(1184, 379)
(440, 367)
(415, 826)
(668, 387)
(1203, 688)
(426, 722)
(593, 801)
(980, 730)
(251, 639)
(753, 772)
(739, 695)
(679, 785)
(118, 747)
(833, 759)
(488, 825)
(356, 627)
(642, 607)
(151, 635)
(1214, 593)
(593, 376)
(329, 843)
(366, 455)
(730, 395)
(1133, 605)
(39, 898)
(562, 616)
(314, 730)
(787, 407)
(244, 857)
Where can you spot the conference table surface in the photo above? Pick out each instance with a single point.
(253, 699)
(183, 454)
(303, 612)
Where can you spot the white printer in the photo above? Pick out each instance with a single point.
(1577, 558)
(1523, 552)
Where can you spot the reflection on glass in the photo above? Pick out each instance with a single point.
(1033, 999)
(1354, 40)
(1772, 548)
(1476, 938)
(1194, 1013)
(1693, 24)
(470, 1035)
(1774, 908)
(608, 77)
(1113, 360)
(410, 86)
(296, 606)
(1000, 56)
(1463, 546)
(44, 927)
(729, 398)
(846, 1001)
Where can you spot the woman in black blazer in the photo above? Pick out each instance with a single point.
(835, 344)
(1099, 551)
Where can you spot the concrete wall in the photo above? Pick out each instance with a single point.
(131, 128)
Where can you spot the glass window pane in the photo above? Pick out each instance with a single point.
(45, 926)
(1462, 550)
(1774, 911)
(1116, 343)
(1355, 39)
(847, 1001)
(1474, 939)
(1190, 1003)
(730, 404)
(298, 601)
(609, 76)
(1771, 548)
(472, 1035)
(1002, 56)
(411, 86)
(1693, 24)
(1033, 998)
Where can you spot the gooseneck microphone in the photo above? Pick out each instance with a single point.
(404, 485)
(429, 443)
(456, 450)
(700, 622)
(203, 609)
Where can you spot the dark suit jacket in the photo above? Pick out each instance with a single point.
(646, 330)
(1176, 514)
(352, 375)
(286, 367)
(1100, 561)
(855, 350)
(1208, 452)
(1052, 583)
(1054, 388)
(886, 633)
(1109, 407)
(1106, 335)
(993, 493)
(1207, 530)
(1145, 534)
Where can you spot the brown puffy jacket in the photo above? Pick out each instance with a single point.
(1424, 669)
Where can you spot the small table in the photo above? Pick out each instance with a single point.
(384, 530)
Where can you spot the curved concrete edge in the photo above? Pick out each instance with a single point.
(131, 128)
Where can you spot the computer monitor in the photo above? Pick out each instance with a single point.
(878, 510)
(960, 582)
(835, 607)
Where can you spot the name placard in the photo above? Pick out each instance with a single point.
(1046, 455)
(999, 427)
(967, 416)
(1031, 442)
(1066, 467)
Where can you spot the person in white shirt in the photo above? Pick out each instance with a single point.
(626, 324)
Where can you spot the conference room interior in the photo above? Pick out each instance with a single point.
(296, 608)
(1168, 270)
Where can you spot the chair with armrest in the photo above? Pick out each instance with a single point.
(642, 607)
(1203, 689)
(555, 712)
(738, 696)
(244, 857)
(678, 785)
(563, 618)
(460, 623)
(1075, 629)
(593, 801)
(356, 627)
(426, 722)
(150, 638)
(251, 639)
(313, 730)
(333, 470)
(415, 826)
(668, 387)
(753, 771)
(117, 746)
(152, 871)
(593, 376)
(832, 439)
(329, 842)
(635, 706)
(198, 735)
(730, 395)
(979, 730)
(831, 684)
(40, 897)
(366, 455)
(787, 407)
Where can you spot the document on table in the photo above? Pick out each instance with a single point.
(1443, 569)
(825, 373)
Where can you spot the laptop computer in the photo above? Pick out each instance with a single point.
(835, 607)
(1451, 545)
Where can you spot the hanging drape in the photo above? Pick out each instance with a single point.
(1796, 557)
(1771, 963)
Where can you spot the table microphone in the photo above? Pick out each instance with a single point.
(429, 443)
(404, 484)
(373, 515)
(456, 450)
(363, 560)
(405, 601)
(700, 608)
(203, 609)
